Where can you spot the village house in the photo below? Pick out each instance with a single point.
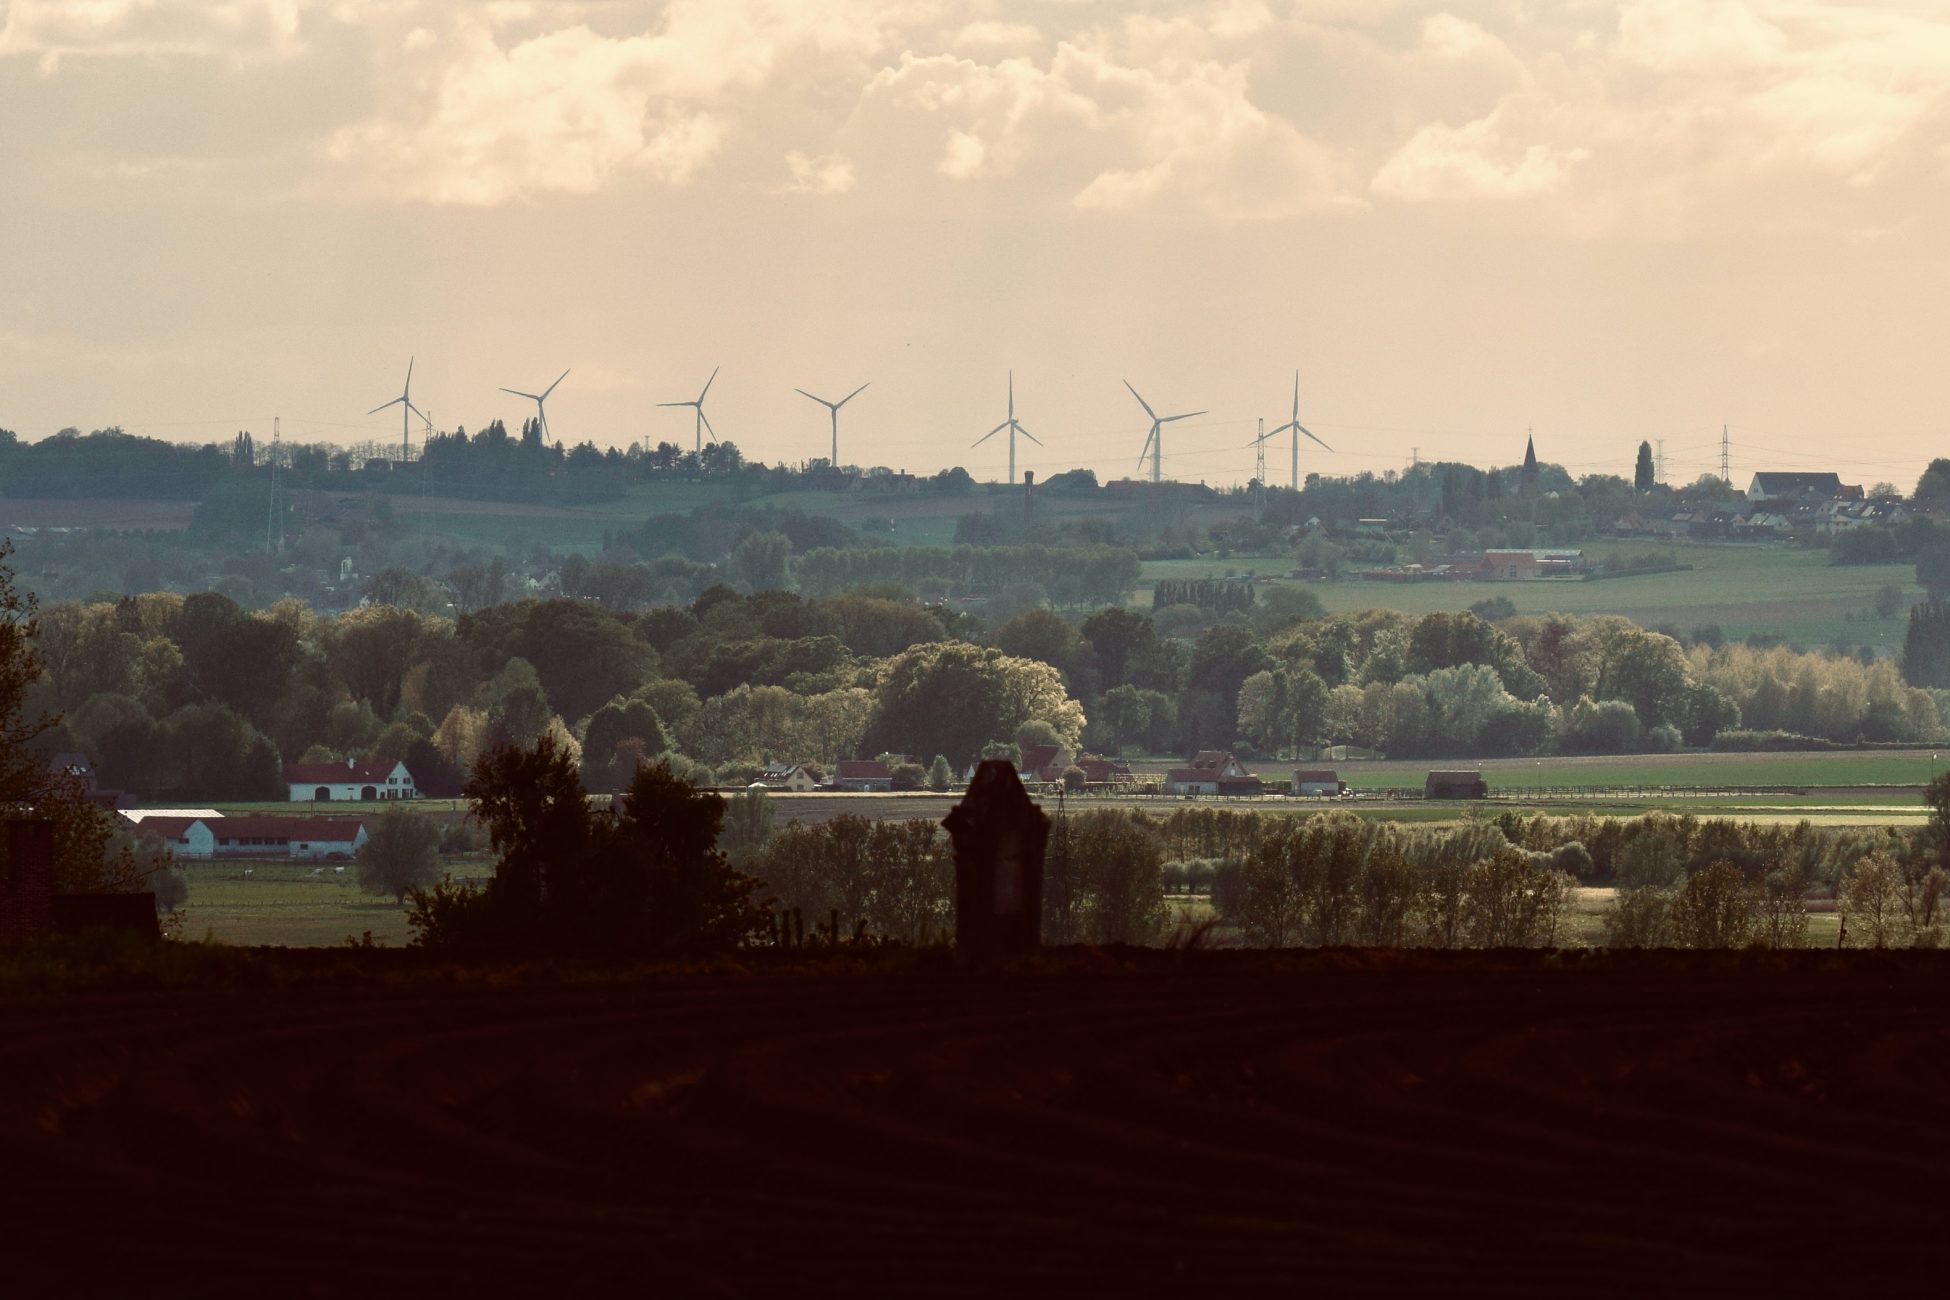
(1318, 781)
(1104, 772)
(1212, 771)
(352, 781)
(301, 839)
(1044, 763)
(861, 775)
(1770, 485)
(786, 776)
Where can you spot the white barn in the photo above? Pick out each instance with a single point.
(303, 839)
(349, 782)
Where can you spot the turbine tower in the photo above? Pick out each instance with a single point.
(405, 402)
(541, 412)
(702, 423)
(834, 408)
(1294, 427)
(1154, 445)
(1014, 427)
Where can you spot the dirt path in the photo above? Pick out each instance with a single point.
(1128, 1125)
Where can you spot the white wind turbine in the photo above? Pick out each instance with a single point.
(702, 424)
(834, 408)
(405, 402)
(541, 412)
(1154, 445)
(1294, 427)
(1014, 427)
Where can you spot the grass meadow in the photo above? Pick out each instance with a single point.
(1744, 589)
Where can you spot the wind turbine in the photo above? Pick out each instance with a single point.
(698, 406)
(1154, 445)
(1296, 428)
(834, 407)
(405, 402)
(1013, 426)
(541, 412)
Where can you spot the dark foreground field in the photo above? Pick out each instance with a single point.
(1102, 1123)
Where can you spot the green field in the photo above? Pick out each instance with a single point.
(1744, 589)
(1843, 768)
(285, 904)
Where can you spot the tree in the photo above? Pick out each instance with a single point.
(761, 562)
(952, 698)
(1643, 479)
(1117, 635)
(748, 827)
(399, 855)
(1639, 918)
(1714, 909)
(1933, 488)
(1937, 795)
(941, 775)
(1870, 900)
(1933, 572)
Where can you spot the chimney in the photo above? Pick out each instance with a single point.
(1028, 494)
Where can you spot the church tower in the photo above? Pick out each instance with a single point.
(1529, 464)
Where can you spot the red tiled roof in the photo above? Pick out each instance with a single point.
(332, 830)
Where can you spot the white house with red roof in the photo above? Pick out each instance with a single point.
(352, 781)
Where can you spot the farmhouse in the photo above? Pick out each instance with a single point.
(1044, 763)
(1520, 565)
(303, 839)
(1772, 486)
(1318, 781)
(1455, 785)
(1212, 771)
(350, 781)
(786, 776)
(1104, 771)
(862, 774)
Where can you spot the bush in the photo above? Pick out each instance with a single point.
(1640, 918)
(1714, 909)
(1741, 741)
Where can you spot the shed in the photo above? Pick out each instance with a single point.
(1455, 785)
(1318, 781)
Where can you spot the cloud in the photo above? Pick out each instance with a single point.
(825, 174)
(236, 31)
(1473, 161)
(992, 35)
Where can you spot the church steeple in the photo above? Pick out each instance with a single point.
(1529, 461)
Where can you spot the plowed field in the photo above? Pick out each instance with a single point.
(1115, 1124)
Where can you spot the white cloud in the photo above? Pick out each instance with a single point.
(237, 31)
(990, 34)
(1473, 161)
(824, 174)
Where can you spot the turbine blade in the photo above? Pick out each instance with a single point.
(558, 379)
(1167, 419)
(707, 422)
(409, 375)
(1000, 427)
(676, 403)
(1303, 428)
(1027, 434)
(707, 384)
(990, 434)
(1141, 402)
(377, 409)
(1147, 445)
(850, 396)
(518, 393)
(803, 393)
(417, 411)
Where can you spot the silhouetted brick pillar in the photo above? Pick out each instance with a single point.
(27, 881)
(999, 836)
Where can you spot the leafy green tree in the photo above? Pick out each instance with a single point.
(1117, 636)
(953, 698)
(1643, 477)
(1639, 918)
(941, 776)
(1715, 908)
(761, 562)
(1937, 795)
(400, 854)
(749, 823)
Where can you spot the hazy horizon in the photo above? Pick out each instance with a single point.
(1459, 222)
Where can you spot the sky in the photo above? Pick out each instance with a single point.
(1459, 224)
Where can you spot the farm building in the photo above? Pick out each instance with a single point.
(1772, 486)
(862, 774)
(1044, 763)
(1104, 771)
(1318, 781)
(1455, 785)
(1212, 771)
(348, 782)
(786, 776)
(1521, 565)
(303, 839)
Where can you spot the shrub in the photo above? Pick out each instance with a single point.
(1640, 918)
(1714, 909)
